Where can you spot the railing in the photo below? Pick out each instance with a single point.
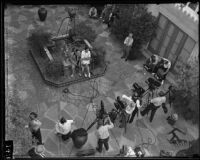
(189, 11)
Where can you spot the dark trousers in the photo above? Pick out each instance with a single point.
(66, 136)
(126, 51)
(102, 142)
(148, 108)
(37, 137)
(133, 114)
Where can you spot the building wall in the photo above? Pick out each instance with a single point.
(181, 20)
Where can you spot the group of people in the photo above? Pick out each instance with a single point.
(63, 128)
(37, 151)
(132, 105)
(158, 66)
(80, 60)
(108, 14)
(129, 105)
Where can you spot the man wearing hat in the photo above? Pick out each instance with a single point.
(103, 134)
(155, 103)
(133, 104)
(34, 126)
(37, 152)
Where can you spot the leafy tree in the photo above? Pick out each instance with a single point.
(38, 39)
(136, 19)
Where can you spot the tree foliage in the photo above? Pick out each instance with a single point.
(135, 19)
(83, 31)
(38, 39)
(187, 96)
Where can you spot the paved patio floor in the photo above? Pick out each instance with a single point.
(51, 103)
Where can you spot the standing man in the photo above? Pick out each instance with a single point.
(34, 126)
(155, 103)
(63, 128)
(85, 61)
(103, 134)
(132, 106)
(127, 46)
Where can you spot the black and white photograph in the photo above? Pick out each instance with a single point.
(101, 80)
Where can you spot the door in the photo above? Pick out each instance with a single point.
(167, 38)
(157, 40)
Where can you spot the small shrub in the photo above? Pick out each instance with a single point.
(55, 69)
(83, 31)
(38, 39)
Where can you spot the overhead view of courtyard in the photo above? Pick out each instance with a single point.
(48, 75)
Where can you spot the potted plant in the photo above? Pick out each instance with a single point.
(38, 40)
(42, 13)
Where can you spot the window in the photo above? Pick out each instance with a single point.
(162, 22)
(179, 37)
(189, 44)
(186, 50)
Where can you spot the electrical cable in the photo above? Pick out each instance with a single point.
(91, 100)
(149, 142)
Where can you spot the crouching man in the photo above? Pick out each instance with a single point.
(103, 134)
(64, 128)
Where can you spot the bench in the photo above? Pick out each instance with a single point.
(48, 54)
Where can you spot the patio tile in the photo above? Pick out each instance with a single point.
(51, 146)
(47, 123)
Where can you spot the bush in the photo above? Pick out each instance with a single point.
(55, 69)
(83, 31)
(98, 56)
(38, 39)
(135, 19)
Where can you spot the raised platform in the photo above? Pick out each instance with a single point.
(65, 81)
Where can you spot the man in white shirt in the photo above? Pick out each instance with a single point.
(103, 134)
(34, 126)
(63, 128)
(133, 105)
(155, 103)
(127, 46)
(85, 61)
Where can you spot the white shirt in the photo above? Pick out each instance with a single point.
(85, 57)
(103, 131)
(64, 128)
(130, 104)
(158, 101)
(128, 41)
(34, 125)
(130, 152)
